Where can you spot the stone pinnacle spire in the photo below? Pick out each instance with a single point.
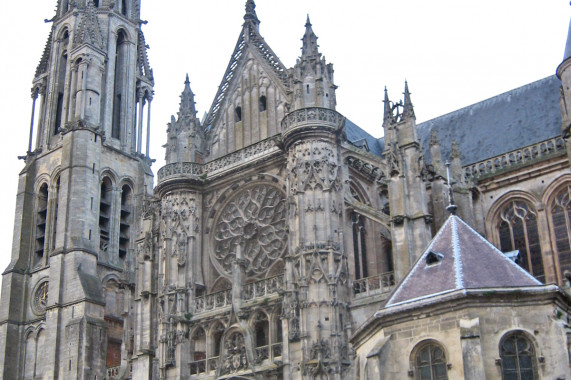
(309, 48)
(408, 110)
(187, 107)
(251, 12)
(387, 114)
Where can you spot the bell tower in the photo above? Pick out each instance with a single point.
(67, 289)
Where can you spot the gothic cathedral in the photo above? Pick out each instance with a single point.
(281, 241)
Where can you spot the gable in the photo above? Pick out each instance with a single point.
(252, 97)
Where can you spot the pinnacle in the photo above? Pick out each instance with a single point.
(310, 47)
(251, 12)
(408, 108)
(187, 105)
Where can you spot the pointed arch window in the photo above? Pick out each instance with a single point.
(124, 9)
(121, 66)
(262, 103)
(125, 220)
(517, 229)
(60, 83)
(261, 327)
(561, 223)
(238, 114)
(41, 221)
(198, 352)
(518, 359)
(429, 361)
(105, 214)
(359, 246)
(55, 213)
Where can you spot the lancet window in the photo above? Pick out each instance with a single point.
(517, 229)
(561, 226)
(359, 245)
(125, 220)
(121, 66)
(41, 223)
(60, 83)
(105, 213)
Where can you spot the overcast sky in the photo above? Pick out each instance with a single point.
(453, 53)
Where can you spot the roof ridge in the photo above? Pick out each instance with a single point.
(457, 254)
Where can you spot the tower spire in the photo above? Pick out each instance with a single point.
(310, 47)
(408, 110)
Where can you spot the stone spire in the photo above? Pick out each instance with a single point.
(408, 110)
(387, 116)
(89, 31)
(250, 15)
(310, 47)
(187, 104)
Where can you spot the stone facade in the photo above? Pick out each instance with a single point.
(277, 228)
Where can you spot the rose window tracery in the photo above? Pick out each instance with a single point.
(255, 221)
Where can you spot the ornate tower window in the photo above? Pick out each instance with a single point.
(104, 214)
(60, 84)
(125, 220)
(41, 220)
(429, 361)
(359, 246)
(517, 228)
(561, 224)
(121, 66)
(518, 358)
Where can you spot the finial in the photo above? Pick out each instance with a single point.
(387, 109)
(408, 108)
(187, 105)
(451, 206)
(187, 81)
(309, 48)
(251, 12)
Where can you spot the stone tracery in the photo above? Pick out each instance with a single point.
(255, 220)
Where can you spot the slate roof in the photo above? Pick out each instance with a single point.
(468, 261)
(506, 122)
(356, 135)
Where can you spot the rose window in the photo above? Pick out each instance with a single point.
(255, 221)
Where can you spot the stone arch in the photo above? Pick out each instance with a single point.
(429, 355)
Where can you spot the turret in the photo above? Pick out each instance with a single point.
(312, 76)
(185, 134)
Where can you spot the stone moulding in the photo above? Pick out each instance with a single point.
(312, 117)
(514, 159)
(191, 170)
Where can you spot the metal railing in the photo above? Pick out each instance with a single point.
(382, 283)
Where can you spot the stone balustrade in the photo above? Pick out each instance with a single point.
(262, 288)
(517, 157)
(198, 171)
(212, 301)
(313, 116)
(382, 283)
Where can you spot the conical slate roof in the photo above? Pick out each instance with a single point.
(458, 258)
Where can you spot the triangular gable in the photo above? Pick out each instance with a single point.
(250, 39)
(458, 258)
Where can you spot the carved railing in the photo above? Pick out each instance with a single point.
(213, 363)
(517, 157)
(113, 372)
(259, 149)
(212, 301)
(314, 116)
(263, 352)
(198, 367)
(276, 350)
(382, 283)
(180, 169)
(200, 171)
(262, 288)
